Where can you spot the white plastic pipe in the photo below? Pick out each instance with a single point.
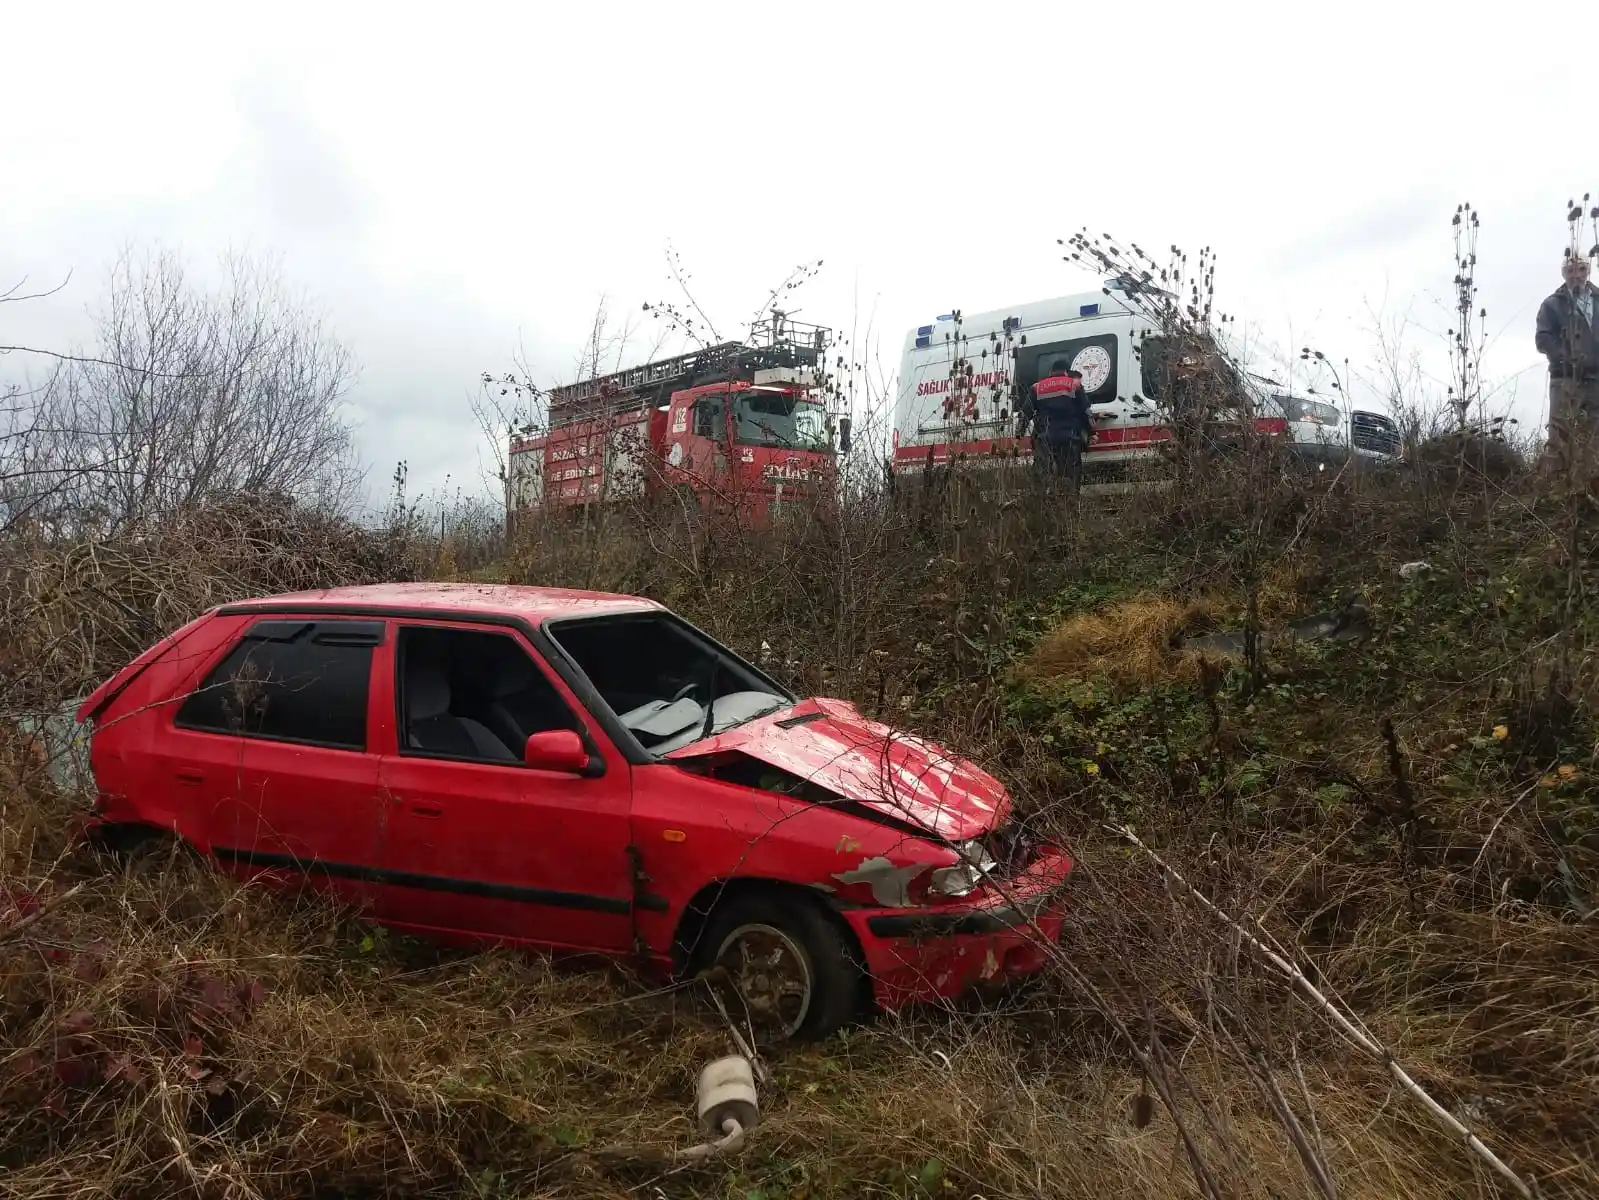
(726, 1104)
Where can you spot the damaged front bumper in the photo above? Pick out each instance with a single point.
(930, 952)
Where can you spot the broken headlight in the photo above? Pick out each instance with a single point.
(1012, 846)
(962, 878)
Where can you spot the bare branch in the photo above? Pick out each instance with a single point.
(9, 296)
(84, 360)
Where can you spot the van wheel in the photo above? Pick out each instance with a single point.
(790, 967)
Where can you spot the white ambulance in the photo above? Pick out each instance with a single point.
(961, 377)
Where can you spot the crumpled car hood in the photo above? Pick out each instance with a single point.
(829, 743)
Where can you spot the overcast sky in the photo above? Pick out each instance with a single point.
(450, 182)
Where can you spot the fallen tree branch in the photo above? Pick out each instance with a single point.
(45, 906)
(1347, 1023)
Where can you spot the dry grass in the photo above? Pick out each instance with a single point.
(1131, 642)
(168, 1032)
(171, 1032)
(216, 1040)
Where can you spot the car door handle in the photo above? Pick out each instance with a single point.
(426, 810)
(190, 777)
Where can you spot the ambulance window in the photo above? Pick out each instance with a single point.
(1152, 366)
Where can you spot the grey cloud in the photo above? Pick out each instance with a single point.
(295, 167)
(1373, 228)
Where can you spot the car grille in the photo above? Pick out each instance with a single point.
(1375, 433)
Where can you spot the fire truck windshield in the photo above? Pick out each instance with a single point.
(781, 419)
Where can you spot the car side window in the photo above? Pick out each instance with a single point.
(290, 680)
(473, 695)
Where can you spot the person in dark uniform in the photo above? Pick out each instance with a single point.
(1061, 425)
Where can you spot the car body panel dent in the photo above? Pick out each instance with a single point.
(890, 885)
(898, 774)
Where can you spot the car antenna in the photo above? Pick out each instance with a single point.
(710, 699)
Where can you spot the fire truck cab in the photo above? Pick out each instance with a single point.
(738, 426)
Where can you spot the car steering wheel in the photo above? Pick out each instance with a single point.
(685, 690)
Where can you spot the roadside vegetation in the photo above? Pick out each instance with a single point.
(1407, 814)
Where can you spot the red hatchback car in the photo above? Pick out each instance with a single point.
(575, 771)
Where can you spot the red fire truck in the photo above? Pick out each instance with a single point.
(739, 426)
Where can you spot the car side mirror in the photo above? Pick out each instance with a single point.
(556, 750)
(843, 435)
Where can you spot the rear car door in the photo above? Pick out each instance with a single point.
(477, 843)
(291, 701)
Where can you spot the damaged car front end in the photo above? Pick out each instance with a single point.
(820, 859)
(943, 889)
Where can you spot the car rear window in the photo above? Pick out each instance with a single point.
(291, 680)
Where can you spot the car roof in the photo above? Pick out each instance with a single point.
(537, 604)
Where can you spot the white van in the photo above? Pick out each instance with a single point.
(961, 376)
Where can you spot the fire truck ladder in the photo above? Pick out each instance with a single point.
(618, 391)
(623, 391)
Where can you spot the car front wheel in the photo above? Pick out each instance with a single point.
(789, 966)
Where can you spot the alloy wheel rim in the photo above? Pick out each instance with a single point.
(771, 974)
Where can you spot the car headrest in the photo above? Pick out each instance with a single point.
(427, 692)
(515, 675)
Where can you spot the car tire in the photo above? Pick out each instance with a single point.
(764, 941)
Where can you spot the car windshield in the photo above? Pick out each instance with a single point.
(668, 685)
(1298, 408)
(1161, 360)
(781, 419)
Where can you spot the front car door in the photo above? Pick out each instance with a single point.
(669, 686)
(477, 843)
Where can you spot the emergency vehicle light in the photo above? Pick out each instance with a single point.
(1088, 310)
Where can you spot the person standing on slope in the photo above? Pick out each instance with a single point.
(1567, 337)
